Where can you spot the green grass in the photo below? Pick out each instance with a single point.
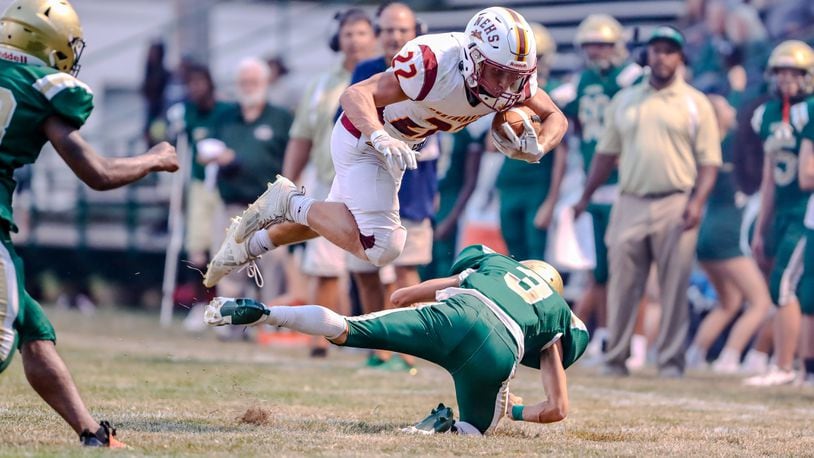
(170, 393)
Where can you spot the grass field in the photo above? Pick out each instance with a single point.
(170, 393)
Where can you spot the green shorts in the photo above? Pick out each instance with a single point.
(805, 280)
(600, 213)
(786, 233)
(21, 317)
(720, 234)
(460, 334)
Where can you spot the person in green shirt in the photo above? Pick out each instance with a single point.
(780, 122)
(458, 168)
(201, 114)
(42, 101)
(491, 314)
(600, 38)
(805, 280)
(529, 192)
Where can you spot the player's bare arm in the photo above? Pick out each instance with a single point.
(555, 407)
(422, 292)
(99, 172)
(554, 122)
(361, 100)
(602, 166)
(805, 170)
(297, 154)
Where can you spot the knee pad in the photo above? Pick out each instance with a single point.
(384, 245)
(7, 356)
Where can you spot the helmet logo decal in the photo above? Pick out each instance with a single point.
(477, 34)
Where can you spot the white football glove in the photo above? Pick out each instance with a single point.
(396, 153)
(525, 147)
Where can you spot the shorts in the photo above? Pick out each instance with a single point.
(460, 334)
(417, 249)
(518, 207)
(802, 268)
(720, 233)
(322, 258)
(600, 213)
(202, 206)
(785, 235)
(22, 320)
(364, 184)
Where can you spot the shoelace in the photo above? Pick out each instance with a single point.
(253, 271)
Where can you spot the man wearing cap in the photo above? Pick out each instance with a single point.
(663, 134)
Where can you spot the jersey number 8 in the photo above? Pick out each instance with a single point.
(7, 106)
(531, 287)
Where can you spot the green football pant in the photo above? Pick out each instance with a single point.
(518, 207)
(461, 335)
(21, 317)
(786, 233)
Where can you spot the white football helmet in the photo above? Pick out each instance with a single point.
(499, 57)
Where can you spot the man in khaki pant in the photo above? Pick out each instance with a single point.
(664, 136)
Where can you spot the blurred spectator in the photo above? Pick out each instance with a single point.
(735, 276)
(709, 63)
(750, 41)
(529, 192)
(156, 78)
(248, 146)
(791, 19)
(458, 166)
(202, 112)
(663, 134)
(281, 91)
(309, 151)
(780, 122)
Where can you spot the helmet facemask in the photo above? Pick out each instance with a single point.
(485, 81)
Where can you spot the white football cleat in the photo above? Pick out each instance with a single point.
(230, 256)
(269, 209)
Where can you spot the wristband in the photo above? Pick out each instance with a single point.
(517, 412)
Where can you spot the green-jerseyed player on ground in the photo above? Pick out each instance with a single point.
(600, 39)
(490, 315)
(780, 122)
(529, 191)
(41, 101)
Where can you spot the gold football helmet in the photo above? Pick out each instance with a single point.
(46, 29)
(794, 54)
(546, 46)
(547, 272)
(604, 29)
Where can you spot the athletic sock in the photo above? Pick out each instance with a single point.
(313, 320)
(260, 242)
(808, 363)
(299, 208)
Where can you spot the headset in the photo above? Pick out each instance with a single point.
(420, 26)
(342, 17)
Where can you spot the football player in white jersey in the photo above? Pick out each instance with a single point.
(437, 83)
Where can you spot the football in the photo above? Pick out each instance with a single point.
(514, 116)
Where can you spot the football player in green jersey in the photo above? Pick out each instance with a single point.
(529, 192)
(805, 279)
(601, 40)
(780, 122)
(41, 101)
(490, 315)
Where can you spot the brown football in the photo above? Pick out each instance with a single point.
(515, 120)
